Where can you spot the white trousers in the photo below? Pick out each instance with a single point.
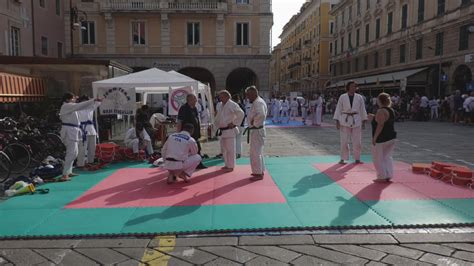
(71, 154)
(134, 145)
(89, 146)
(293, 113)
(228, 151)
(256, 152)
(238, 141)
(304, 113)
(434, 113)
(382, 157)
(188, 166)
(284, 115)
(355, 135)
(317, 116)
(276, 116)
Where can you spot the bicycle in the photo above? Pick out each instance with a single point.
(5, 167)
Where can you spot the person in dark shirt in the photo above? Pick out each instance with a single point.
(188, 114)
(458, 109)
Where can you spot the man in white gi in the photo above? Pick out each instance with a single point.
(294, 109)
(350, 116)
(285, 106)
(71, 133)
(229, 117)
(276, 109)
(180, 153)
(89, 134)
(318, 110)
(256, 131)
(137, 138)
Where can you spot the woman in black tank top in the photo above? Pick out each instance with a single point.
(383, 138)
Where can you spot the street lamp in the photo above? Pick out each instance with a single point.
(76, 18)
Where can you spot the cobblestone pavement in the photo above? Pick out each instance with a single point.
(420, 142)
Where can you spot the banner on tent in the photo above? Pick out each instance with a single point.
(117, 101)
(177, 99)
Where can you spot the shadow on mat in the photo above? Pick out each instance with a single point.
(305, 184)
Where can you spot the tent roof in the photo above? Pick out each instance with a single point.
(184, 76)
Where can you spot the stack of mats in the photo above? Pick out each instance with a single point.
(447, 172)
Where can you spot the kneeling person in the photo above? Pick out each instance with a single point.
(181, 154)
(137, 138)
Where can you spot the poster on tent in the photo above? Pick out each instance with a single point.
(177, 99)
(117, 101)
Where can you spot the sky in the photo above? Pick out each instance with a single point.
(283, 10)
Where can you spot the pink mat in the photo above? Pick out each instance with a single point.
(358, 180)
(147, 188)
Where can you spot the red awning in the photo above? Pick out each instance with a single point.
(16, 88)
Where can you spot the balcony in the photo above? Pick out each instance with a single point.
(295, 65)
(213, 6)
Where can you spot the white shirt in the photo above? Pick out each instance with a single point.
(86, 117)
(132, 134)
(433, 103)
(424, 102)
(285, 105)
(179, 146)
(68, 115)
(343, 110)
(469, 104)
(227, 113)
(258, 113)
(294, 105)
(277, 105)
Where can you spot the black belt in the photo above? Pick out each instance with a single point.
(219, 131)
(173, 160)
(248, 130)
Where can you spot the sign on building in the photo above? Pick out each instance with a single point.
(117, 101)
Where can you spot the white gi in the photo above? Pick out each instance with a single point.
(71, 133)
(89, 137)
(304, 111)
(131, 140)
(180, 152)
(350, 119)
(227, 113)
(285, 106)
(276, 108)
(257, 116)
(294, 109)
(318, 111)
(434, 105)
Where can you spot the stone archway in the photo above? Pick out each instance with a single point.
(239, 79)
(201, 74)
(462, 75)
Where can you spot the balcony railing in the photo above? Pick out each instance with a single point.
(168, 5)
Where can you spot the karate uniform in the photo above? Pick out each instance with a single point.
(285, 106)
(89, 138)
(71, 133)
(180, 152)
(227, 113)
(132, 141)
(304, 112)
(294, 109)
(350, 120)
(257, 116)
(318, 111)
(276, 108)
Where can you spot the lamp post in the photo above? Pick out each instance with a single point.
(75, 21)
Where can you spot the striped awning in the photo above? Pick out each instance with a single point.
(17, 88)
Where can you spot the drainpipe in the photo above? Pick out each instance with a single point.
(33, 26)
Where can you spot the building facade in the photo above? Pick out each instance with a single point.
(32, 28)
(223, 43)
(305, 40)
(425, 46)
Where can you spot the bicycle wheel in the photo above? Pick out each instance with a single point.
(37, 148)
(20, 157)
(5, 164)
(55, 146)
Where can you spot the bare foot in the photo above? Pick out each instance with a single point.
(227, 169)
(256, 177)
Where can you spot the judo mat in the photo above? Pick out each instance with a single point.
(298, 123)
(298, 193)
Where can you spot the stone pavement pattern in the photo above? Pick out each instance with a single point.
(420, 142)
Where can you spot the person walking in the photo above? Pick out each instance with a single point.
(383, 138)
(350, 116)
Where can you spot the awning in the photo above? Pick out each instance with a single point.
(393, 76)
(16, 88)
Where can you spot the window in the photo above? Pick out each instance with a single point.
(343, 16)
(366, 62)
(342, 45)
(349, 41)
(193, 33)
(58, 7)
(388, 57)
(60, 49)
(335, 47)
(464, 38)
(419, 49)
(389, 22)
(138, 33)
(376, 59)
(334, 70)
(465, 2)
(439, 43)
(88, 32)
(242, 34)
(15, 41)
(368, 4)
(350, 13)
(331, 27)
(356, 65)
(44, 46)
(421, 10)
(358, 7)
(367, 31)
(341, 68)
(441, 7)
(330, 48)
(42, 4)
(404, 17)
(242, 1)
(357, 37)
(403, 49)
(349, 67)
(377, 28)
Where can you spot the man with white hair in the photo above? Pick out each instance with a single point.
(229, 117)
(256, 132)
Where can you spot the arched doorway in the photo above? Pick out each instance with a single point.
(462, 76)
(239, 79)
(201, 74)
